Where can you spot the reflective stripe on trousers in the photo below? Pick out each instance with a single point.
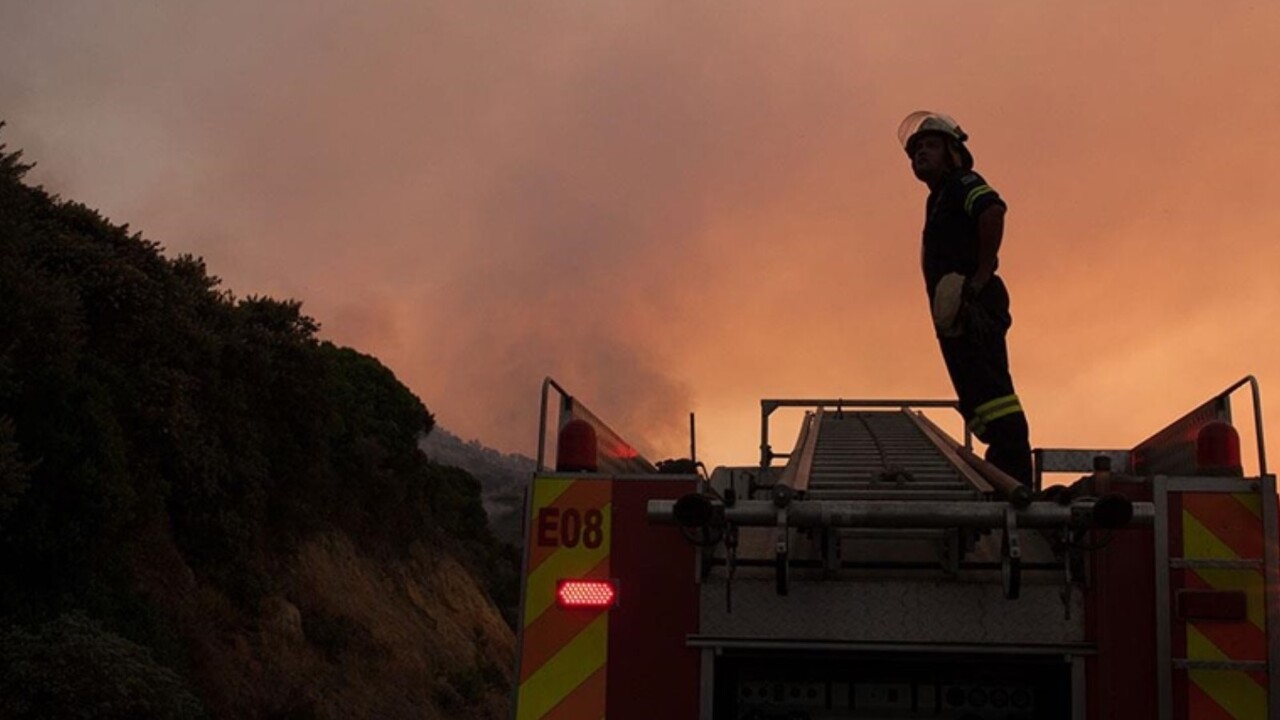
(993, 410)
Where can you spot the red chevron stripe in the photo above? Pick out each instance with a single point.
(583, 495)
(1229, 521)
(1239, 640)
(586, 702)
(553, 629)
(1202, 707)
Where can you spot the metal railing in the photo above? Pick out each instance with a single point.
(615, 454)
(1171, 451)
(547, 385)
(768, 406)
(1257, 418)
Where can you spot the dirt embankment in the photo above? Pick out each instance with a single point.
(346, 635)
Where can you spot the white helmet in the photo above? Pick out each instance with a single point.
(927, 122)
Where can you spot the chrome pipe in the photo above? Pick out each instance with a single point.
(901, 514)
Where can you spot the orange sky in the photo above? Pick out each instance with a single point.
(676, 207)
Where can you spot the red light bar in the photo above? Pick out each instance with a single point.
(580, 594)
(1212, 605)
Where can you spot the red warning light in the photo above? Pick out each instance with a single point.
(1218, 450)
(574, 594)
(576, 447)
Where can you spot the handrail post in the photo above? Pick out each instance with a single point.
(766, 455)
(542, 424)
(1257, 417)
(547, 384)
(1257, 425)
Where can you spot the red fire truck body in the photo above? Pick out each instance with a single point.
(884, 572)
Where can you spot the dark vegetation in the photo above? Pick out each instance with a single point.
(141, 406)
(503, 478)
(678, 466)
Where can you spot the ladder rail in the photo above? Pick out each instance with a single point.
(866, 454)
(854, 461)
(933, 432)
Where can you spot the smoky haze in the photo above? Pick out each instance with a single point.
(686, 206)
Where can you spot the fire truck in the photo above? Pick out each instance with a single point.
(879, 569)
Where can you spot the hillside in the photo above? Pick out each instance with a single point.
(503, 478)
(206, 510)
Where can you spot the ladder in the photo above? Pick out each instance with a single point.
(877, 455)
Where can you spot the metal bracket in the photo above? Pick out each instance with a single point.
(1069, 557)
(950, 548)
(830, 539)
(782, 495)
(780, 554)
(731, 564)
(1011, 556)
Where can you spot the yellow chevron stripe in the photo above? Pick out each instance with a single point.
(570, 667)
(1200, 647)
(1251, 501)
(1199, 542)
(546, 490)
(1234, 690)
(540, 586)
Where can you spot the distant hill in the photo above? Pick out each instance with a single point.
(502, 477)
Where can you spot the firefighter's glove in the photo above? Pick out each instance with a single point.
(948, 296)
(976, 323)
(971, 289)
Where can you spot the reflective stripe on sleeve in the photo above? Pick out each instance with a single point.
(974, 194)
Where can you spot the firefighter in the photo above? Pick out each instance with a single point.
(964, 225)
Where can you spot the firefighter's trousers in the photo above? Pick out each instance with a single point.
(978, 362)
